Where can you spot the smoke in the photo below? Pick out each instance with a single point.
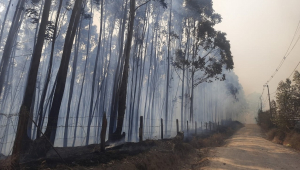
(146, 94)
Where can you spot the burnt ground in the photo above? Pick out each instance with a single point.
(165, 154)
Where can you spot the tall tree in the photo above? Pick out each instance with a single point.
(41, 145)
(49, 71)
(209, 49)
(168, 71)
(123, 87)
(13, 31)
(122, 91)
(95, 68)
(22, 140)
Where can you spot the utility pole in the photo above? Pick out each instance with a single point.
(269, 100)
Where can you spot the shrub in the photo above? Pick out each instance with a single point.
(264, 120)
(292, 139)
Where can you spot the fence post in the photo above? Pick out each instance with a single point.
(162, 129)
(177, 126)
(209, 125)
(141, 129)
(205, 125)
(201, 127)
(187, 127)
(103, 133)
(195, 128)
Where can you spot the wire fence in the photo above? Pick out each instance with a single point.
(77, 133)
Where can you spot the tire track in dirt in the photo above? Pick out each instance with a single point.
(247, 149)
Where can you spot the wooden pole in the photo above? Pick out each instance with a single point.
(177, 126)
(209, 125)
(162, 129)
(103, 133)
(141, 129)
(206, 125)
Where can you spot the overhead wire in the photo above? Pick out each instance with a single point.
(287, 53)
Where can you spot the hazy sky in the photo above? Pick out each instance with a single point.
(260, 32)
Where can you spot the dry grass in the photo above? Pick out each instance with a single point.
(291, 139)
(276, 135)
(6, 164)
(215, 140)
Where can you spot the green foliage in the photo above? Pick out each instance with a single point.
(282, 122)
(211, 50)
(288, 102)
(285, 111)
(264, 119)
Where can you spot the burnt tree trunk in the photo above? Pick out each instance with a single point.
(123, 88)
(22, 140)
(41, 145)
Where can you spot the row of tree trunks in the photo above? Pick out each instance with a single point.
(41, 146)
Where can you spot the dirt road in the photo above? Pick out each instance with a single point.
(247, 149)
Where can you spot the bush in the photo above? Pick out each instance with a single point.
(276, 135)
(283, 122)
(264, 120)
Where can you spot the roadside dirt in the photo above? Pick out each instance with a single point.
(248, 149)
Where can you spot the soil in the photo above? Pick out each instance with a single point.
(249, 149)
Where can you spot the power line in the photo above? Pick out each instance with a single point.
(294, 69)
(288, 52)
(289, 76)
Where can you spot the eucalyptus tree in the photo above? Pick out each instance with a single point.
(210, 51)
(96, 62)
(168, 70)
(49, 71)
(122, 91)
(12, 34)
(74, 69)
(21, 135)
(42, 145)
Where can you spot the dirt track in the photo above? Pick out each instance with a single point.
(247, 149)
